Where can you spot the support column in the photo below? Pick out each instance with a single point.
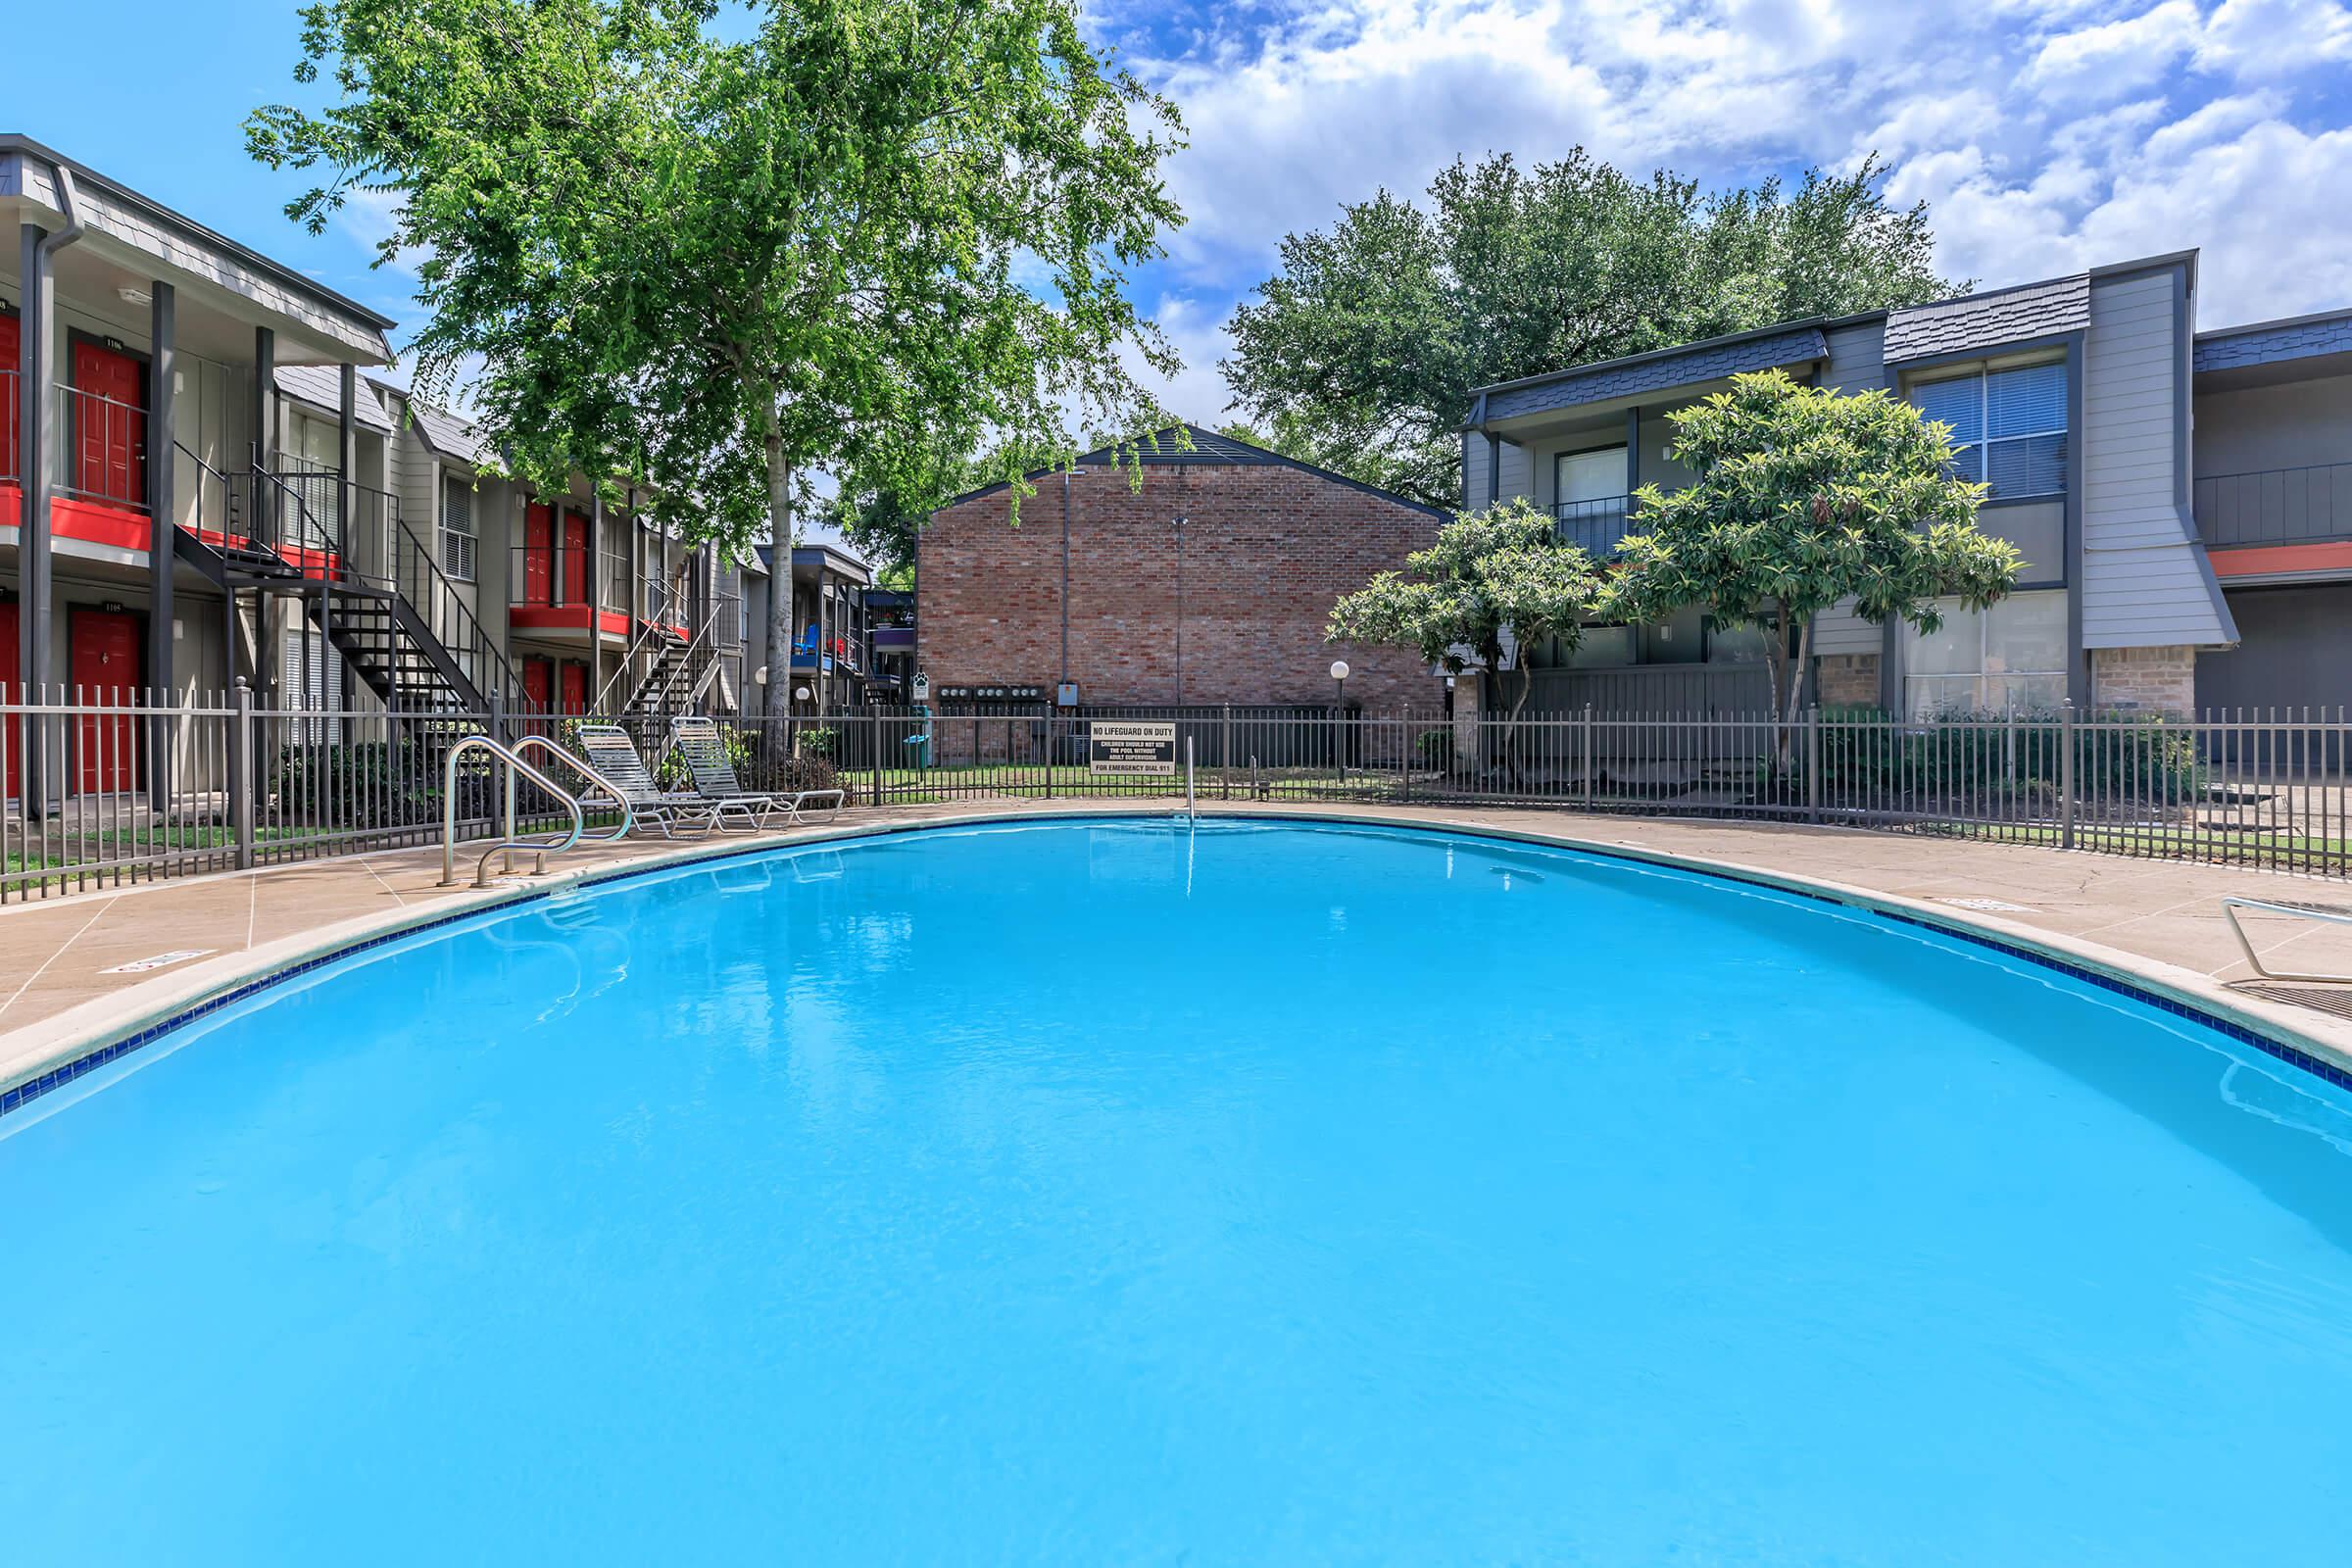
(263, 521)
(163, 520)
(596, 593)
(36, 374)
(347, 455)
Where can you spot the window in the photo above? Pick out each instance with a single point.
(2009, 658)
(1588, 498)
(2008, 427)
(457, 530)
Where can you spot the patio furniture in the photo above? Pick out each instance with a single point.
(2324, 914)
(614, 758)
(699, 741)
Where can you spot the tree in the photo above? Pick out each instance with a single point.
(1364, 347)
(868, 233)
(1496, 580)
(1804, 497)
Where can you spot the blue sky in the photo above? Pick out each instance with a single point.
(2045, 134)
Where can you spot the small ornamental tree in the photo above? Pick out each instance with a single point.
(1494, 578)
(1803, 497)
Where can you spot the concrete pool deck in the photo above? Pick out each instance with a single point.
(65, 993)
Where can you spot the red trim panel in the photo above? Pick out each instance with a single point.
(565, 618)
(2266, 559)
(94, 523)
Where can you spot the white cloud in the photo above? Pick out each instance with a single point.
(2045, 134)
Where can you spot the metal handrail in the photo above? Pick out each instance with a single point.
(516, 764)
(652, 629)
(628, 812)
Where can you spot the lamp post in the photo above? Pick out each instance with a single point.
(1338, 716)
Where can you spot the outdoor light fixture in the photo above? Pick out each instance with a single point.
(1338, 678)
(132, 294)
(799, 693)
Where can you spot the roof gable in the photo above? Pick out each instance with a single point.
(1973, 321)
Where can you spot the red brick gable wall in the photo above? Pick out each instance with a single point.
(1267, 550)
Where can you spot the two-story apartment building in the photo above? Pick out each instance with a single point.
(832, 643)
(199, 486)
(2163, 487)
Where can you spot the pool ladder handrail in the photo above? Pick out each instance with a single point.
(508, 841)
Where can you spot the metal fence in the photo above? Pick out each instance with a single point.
(101, 794)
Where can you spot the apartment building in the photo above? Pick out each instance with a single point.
(2183, 500)
(200, 485)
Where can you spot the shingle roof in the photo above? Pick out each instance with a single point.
(2268, 342)
(321, 386)
(1989, 320)
(452, 436)
(1658, 371)
(1208, 449)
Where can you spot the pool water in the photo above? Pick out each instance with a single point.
(1109, 1191)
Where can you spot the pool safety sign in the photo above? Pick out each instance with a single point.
(1125, 746)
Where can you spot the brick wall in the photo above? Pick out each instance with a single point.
(1267, 551)
(1849, 681)
(2148, 680)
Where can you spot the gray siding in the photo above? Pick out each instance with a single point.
(1516, 473)
(2144, 583)
(2297, 651)
(2275, 463)
(1857, 357)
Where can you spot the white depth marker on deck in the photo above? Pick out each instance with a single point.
(142, 965)
(1989, 905)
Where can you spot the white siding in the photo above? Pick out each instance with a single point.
(2144, 583)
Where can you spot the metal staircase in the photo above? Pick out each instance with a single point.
(366, 583)
(681, 666)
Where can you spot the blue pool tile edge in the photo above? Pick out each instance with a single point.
(66, 1073)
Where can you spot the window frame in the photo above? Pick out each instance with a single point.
(1981, 374)
(444, 533)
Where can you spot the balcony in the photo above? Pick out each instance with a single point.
(550, 593)
(101, 495)
(1594, 526)
(2276, 506)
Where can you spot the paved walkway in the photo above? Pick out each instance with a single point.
(63, 986)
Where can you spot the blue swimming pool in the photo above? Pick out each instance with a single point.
(1099, 1192)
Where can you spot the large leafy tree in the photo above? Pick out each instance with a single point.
(1804, 497)
(1495, 581)
(853, 235)
(1362, 351)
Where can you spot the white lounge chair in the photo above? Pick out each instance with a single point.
(614, 755)
(704, 749)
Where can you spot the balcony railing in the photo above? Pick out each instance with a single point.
(1595, 524)
(106, 447)
(2274, 506)
(548, 576)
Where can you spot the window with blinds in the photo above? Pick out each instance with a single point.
(2008, 428)
(313, 682)
(457, 530)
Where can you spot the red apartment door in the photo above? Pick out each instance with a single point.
(538, 546)
(110, 436)
(104, 655)
(575, 687)
(10, 675)
(575, 559)
(538, 684)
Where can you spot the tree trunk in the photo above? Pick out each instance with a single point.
(1527, 685)
(779, 578)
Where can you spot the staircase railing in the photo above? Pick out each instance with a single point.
(416, 577)
(668, 599)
